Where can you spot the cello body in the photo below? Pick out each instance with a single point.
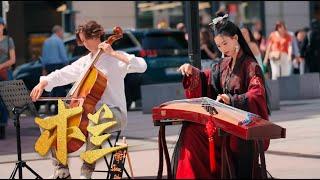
(90, 89)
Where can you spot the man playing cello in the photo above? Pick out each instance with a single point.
(113, 64)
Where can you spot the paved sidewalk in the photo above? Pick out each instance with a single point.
(296, 156)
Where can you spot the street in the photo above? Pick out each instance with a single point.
(296, 156)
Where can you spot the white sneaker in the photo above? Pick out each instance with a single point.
(61, 173)
(83, 177)
(86, 171)
(86, 175)
(50, 177)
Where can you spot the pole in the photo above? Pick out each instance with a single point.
(5, 9)
(192, 12)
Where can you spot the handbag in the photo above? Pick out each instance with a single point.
(275, 55)
(4, 74)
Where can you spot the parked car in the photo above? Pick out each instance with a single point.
(163, 50)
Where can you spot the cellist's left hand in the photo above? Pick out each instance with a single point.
(106, 48)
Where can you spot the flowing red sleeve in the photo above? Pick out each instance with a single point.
(198, 84)
(254, 100)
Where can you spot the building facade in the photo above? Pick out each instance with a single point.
(30, 22)
(107, 13)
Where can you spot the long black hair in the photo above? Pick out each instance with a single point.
(227, 28)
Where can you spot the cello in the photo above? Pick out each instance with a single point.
(86, 92)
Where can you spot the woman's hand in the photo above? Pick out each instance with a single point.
(224, 98)
(106, 48)
(265, 61)
(37, 90)
(186, 69)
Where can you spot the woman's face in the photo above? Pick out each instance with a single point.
(301, 35)
(245, 34)
(90, 44)
(256, 35)
(281, 29)
(226, 44)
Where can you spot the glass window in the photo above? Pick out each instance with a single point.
(174, 40)
(242, 12)
(315, 9)
(159, 14)
(74, 51)
(205, 13)
(36, 41)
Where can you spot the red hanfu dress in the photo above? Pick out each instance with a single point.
(246, 88)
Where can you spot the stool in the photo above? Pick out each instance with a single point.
(110, 162)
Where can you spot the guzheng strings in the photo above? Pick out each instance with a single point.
(210, 104)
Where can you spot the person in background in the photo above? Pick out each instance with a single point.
(7, 59)
(207, 46)
(298, 62)
(248, 36)
(311, 47)
(54, 56)
(182, 27)
(209, 52)
(279, 50)
(295, 56)
(258, 36)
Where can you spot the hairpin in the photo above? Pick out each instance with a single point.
(218, 19)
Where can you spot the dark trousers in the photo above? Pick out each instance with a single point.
(3, 119)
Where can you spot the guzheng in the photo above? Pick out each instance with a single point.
(237, 122)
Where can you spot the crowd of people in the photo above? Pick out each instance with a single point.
(237, 78)
(239, 81)
(7, 60)
(281, 53)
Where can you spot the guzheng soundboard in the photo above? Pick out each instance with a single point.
(237, 122)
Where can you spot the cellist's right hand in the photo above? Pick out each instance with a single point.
(186, 69)
(37, 90)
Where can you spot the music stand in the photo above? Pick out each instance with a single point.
(17, 99)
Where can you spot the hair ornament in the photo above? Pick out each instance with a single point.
(218, 19)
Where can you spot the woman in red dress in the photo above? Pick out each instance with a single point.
(237, 80)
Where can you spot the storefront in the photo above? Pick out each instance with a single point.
(153, 14)
(29, 23)
(314, 9)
